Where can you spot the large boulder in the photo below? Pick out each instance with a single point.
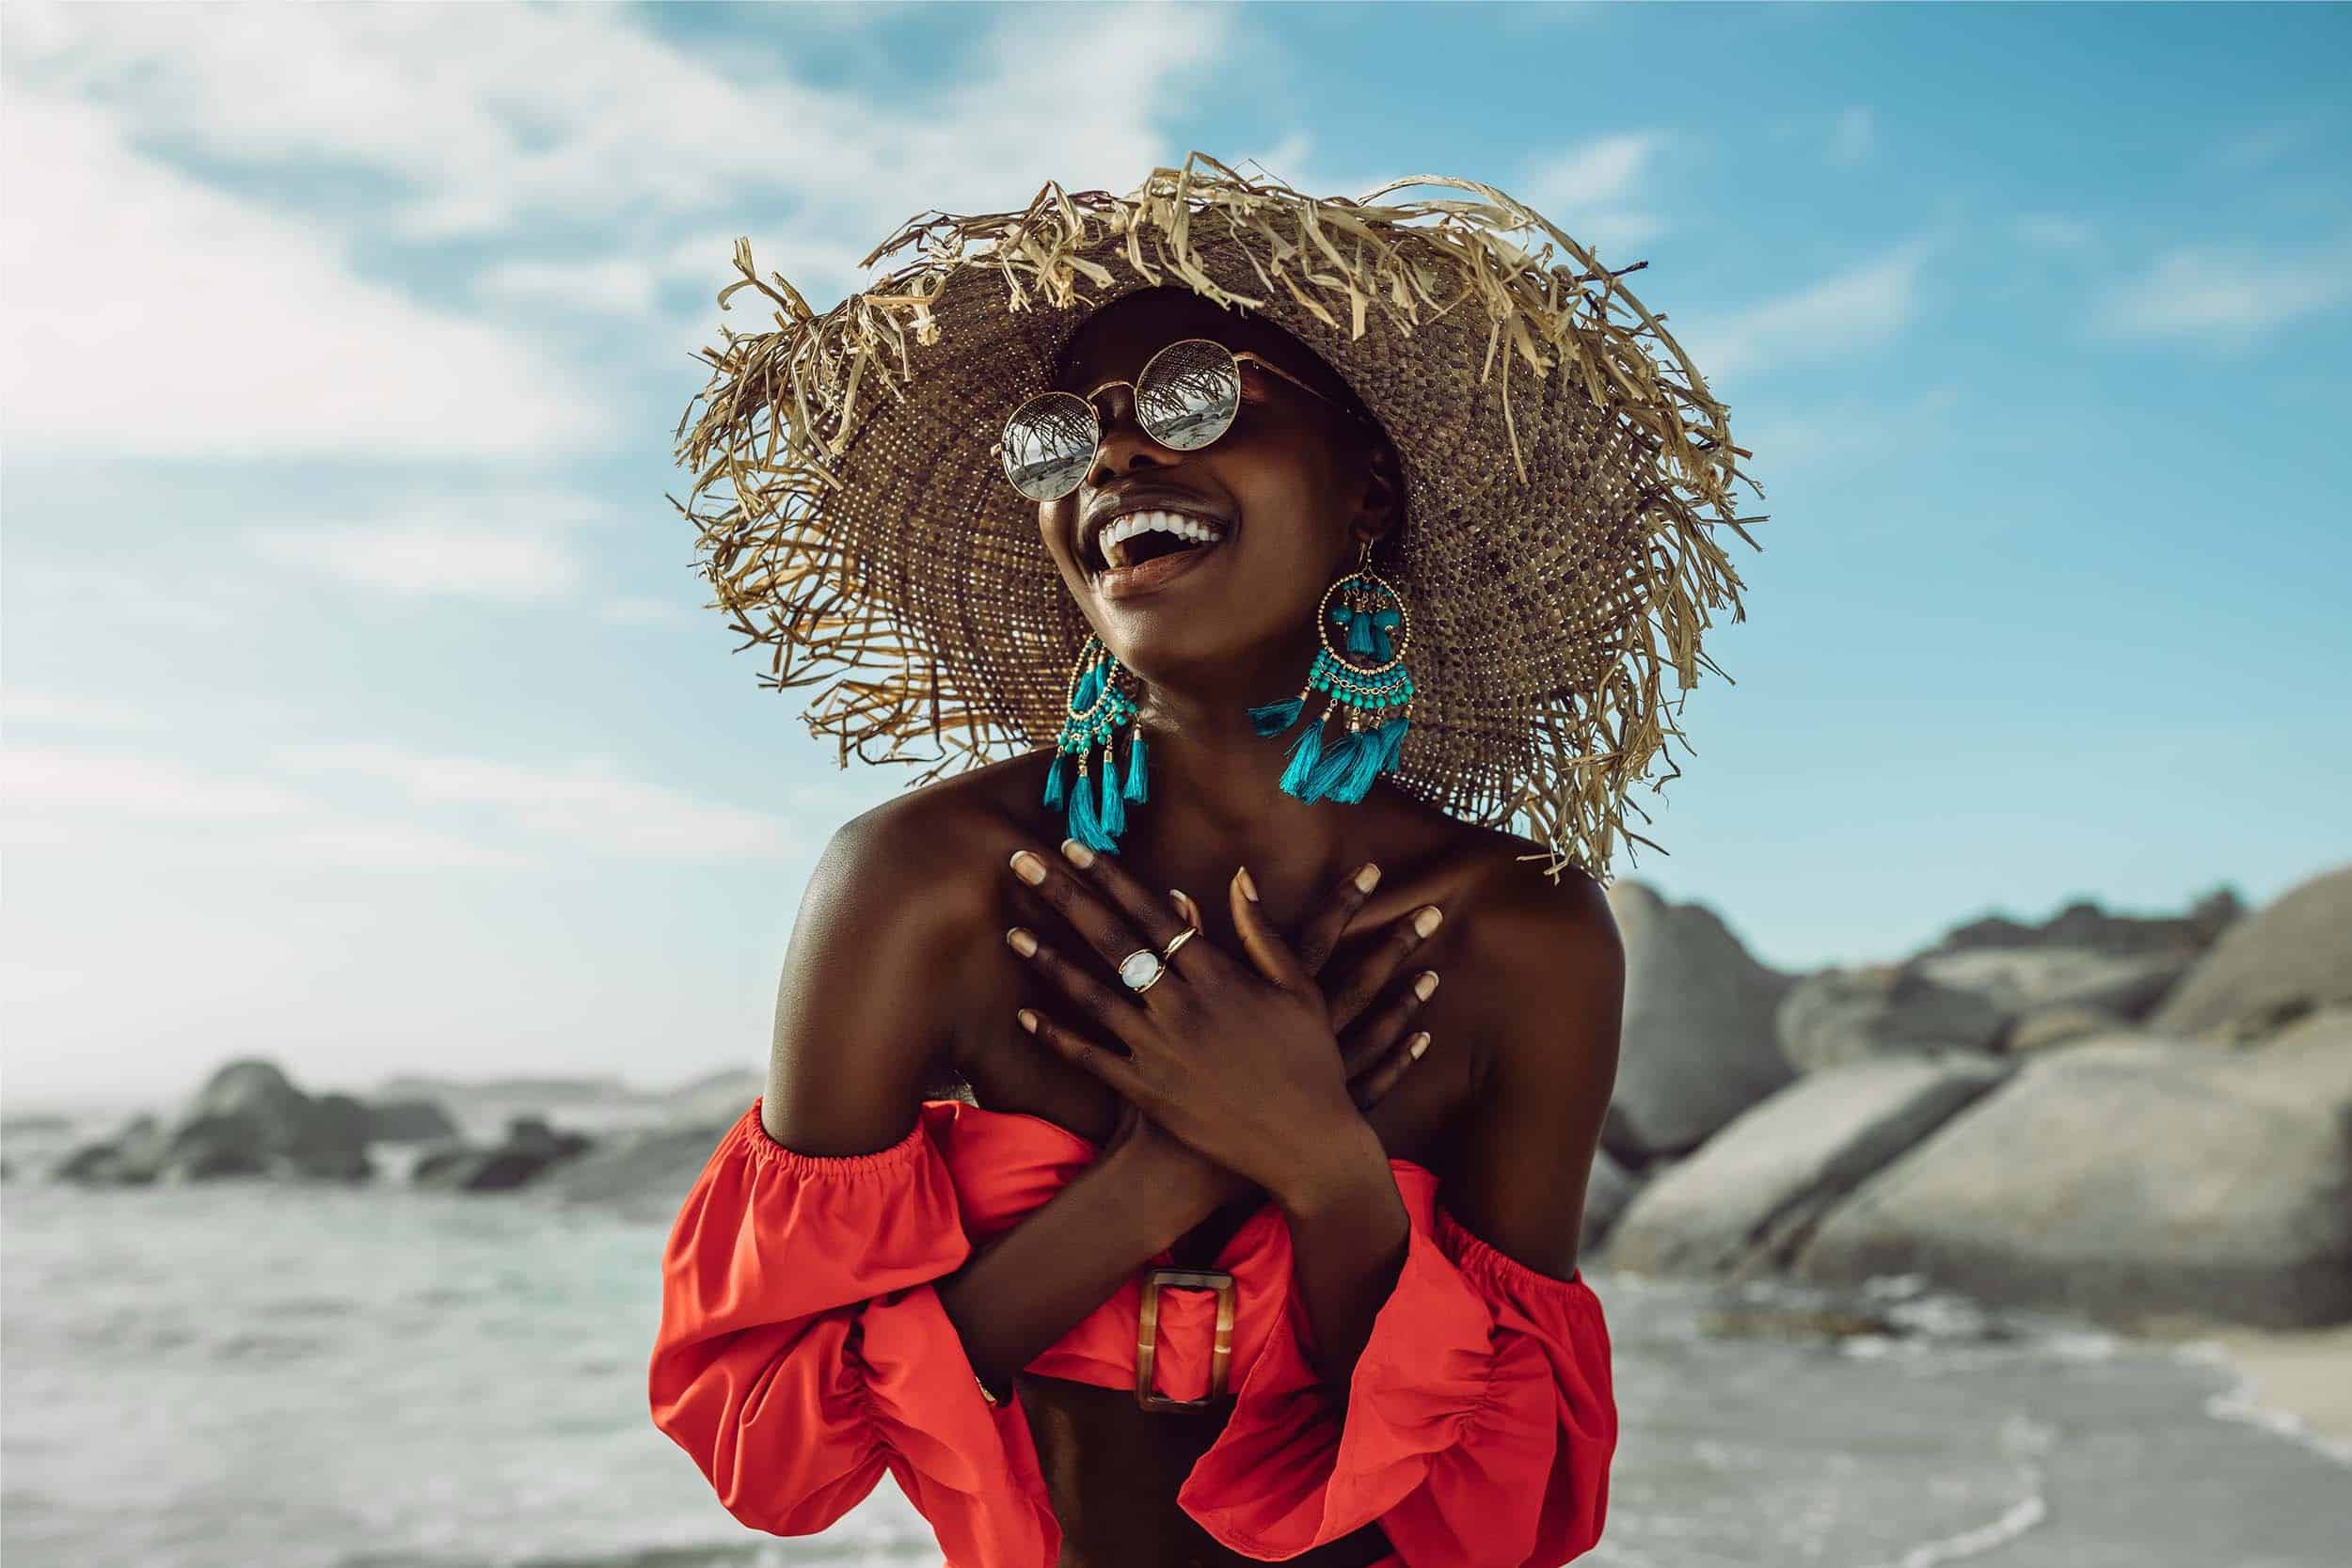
(1850, 1015)
(2291, 957)
(1606, 1195)
(2129, 1178)
(414, 1120)
(247, 1120)
(2019, 981)
(529, 1151)
(1746, 1199)
(2083, 926)
(1697, 1046)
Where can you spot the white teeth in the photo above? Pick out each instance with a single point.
(1113, 539)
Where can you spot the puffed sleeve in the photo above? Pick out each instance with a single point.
(802, 1350)
(1480, 1422)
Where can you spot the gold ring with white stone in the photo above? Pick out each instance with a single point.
(1178, 941)
(1141, 969)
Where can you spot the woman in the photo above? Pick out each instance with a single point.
(1175, 1229)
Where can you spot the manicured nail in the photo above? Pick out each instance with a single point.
(1248, 888)
(1368, 879)
(1420, 1044)
(1028, 1019)
(1427, 983)
(1425, 919)
(1030, 868)
(1023, 942)
(1185, 906)
(1079, 854)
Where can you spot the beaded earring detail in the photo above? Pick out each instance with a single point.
(1094, 705)
(1378, 697)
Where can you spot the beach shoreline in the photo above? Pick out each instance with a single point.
(2303, 1375)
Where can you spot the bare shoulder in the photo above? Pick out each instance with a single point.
(879, 952)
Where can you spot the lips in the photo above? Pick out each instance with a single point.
(1109, 506)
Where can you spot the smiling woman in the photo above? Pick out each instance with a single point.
(1172, 1230)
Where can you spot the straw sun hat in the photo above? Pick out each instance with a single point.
(1559, 452)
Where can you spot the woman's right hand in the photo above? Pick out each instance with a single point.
(1372, 1003)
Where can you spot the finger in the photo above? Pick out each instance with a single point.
(1111, 1007)
(1185, 906)
(1382, 964)
(1102, 928)
(1370, 1040)
(1259, 938)
(1117, 1070)
(1328, 922)
(1117, 887)
(1373, 1086)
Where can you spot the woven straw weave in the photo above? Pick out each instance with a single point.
(1560, 453)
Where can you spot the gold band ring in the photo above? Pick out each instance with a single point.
(1138, 979)
(1178, 941)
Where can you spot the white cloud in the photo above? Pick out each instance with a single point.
(585, 804)
(2226, 295)
(55, 710)
(148, 315)
(1594, 192)
(513, 545)
(610, 285)
(1848, 312)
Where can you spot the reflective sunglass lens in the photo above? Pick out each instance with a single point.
(1049, 444)
(1189, 394)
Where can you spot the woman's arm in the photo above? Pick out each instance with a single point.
(1530, 1131)
(883, 958)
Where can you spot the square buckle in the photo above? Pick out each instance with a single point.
(1147, 1334)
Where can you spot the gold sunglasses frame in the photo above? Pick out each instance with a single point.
(1237, 355)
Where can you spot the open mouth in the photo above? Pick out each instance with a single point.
(1136, 538)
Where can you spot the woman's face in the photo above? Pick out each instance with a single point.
(1290, 487)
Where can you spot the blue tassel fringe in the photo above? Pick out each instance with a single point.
(1139, 787)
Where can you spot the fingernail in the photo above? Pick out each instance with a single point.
(1420, 1044)
(1368, 879)
(1248, 888)
(1030, 867)
(1185, 906)
(1028, 1022)
(1080, 856)
(1023, 942)
(1425, 921)
(1427, 983)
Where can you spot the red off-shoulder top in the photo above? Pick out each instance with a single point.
(802, 1351)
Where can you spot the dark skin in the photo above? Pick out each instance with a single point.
(1271, 1064)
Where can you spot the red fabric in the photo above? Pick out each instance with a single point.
(803, 1352)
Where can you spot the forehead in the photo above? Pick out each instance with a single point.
(1117, 341)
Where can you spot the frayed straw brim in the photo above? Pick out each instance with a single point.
(1554, 553)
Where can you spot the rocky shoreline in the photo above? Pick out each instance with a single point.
(2139, 1121)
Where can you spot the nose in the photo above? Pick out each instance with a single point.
(1125, 444)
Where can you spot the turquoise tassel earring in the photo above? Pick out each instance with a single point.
(1096, 705)
(1377, 696)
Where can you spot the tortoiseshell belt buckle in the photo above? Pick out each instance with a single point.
(1147, 1334)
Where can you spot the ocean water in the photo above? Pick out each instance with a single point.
(247, 1376)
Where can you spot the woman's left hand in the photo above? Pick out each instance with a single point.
(1239, 1062)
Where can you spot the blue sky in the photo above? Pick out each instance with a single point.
(359, 708)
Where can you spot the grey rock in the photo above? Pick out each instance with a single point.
(2085, 925)
(645, 1175)
(1744, 1202)
(1606, 1195)
(1850, 1015)
(2060, 1025)
(1698, 1045)
(2018, 980)
(2128, 1177)
(530, 1150)
(413, 1120)
(247, 1120)
(2291, 957)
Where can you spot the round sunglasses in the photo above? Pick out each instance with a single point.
(1185, 398)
